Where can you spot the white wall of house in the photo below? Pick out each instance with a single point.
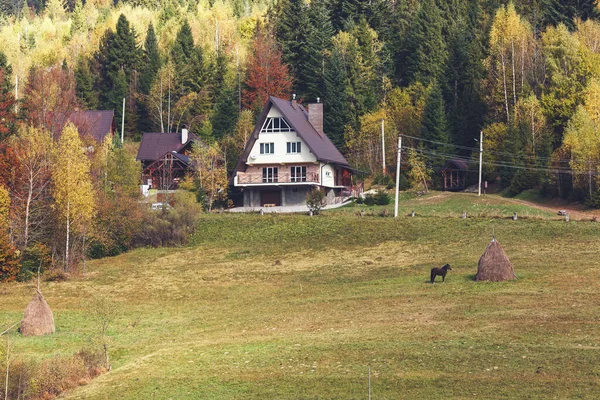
(328, 178)
(280, 140)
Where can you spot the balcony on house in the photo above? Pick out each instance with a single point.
(275, 176)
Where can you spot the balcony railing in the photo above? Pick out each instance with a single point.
(282, 177)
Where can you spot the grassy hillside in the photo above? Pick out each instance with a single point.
(291, 306)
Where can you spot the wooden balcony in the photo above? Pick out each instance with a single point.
(244, 178)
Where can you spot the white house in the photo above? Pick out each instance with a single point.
(287, 155)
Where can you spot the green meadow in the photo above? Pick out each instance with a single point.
(300, 307)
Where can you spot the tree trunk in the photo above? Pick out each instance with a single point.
(514, 79)
(504, 86)
(68, 232)
(27, 206)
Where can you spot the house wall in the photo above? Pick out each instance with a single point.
(290, 196)
(280, 140)
(328, 178)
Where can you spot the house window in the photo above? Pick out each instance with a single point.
(298, 174)
(294, 147)
(270, 174)
(275, 124)
(267, 148)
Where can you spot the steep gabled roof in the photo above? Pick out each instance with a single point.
(94, 123)
(155, 145)
(319, 145)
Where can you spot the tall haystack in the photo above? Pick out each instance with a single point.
(38, 319)
(494, 265)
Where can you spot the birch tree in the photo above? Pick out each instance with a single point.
(210, 171)
(72, 185)
(510, 61)
(30, 195)
(582, 137)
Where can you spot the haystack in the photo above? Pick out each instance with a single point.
(38, 319)
(494, 265)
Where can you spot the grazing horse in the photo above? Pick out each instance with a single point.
(440, 271)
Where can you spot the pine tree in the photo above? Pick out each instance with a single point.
(117, 59)
(426, 47)
(151, 64)
(150, 61)
(7, 100)
(555, 12)
(317, 44)
(292, 30)
(85, 84)
(77, 18)
(434, 126)
(336, 105)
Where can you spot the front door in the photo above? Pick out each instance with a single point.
(270, 197)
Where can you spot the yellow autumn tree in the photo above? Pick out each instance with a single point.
(210, 171)
(73, 192)
(582, 137)
(510, 60)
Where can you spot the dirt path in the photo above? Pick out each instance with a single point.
(574, 213)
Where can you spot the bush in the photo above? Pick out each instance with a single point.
(358, 200)
(33, 257)
(171, 226)
(316, 200)
(369, 199)
(28, 379)
(382, 198)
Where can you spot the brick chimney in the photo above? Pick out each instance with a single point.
(294, 103)
(315, 116)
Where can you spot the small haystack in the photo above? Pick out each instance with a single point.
(494, 265)
(38, 319)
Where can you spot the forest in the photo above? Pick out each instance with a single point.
(525, 73)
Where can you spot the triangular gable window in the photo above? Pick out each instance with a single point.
(275, 124)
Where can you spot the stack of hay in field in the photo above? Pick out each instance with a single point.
(38, 319)
(494, 265)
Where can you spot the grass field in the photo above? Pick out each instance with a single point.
(299, 307)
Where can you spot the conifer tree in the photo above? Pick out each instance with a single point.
(116, 60)
(317, 43)
(426, 47)
(77, 18)
(292, 30)
(150, 61)
(151, 64)
(336, 105)
(434, 126)
(7, 99)
(555, 12)
(84, 81)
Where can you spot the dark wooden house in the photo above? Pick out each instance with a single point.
(454, 174)
(165, 158)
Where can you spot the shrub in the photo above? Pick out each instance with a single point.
(382, 198)
(34, 256)
(359, 200)
(369, 199)
(316, 200)
(171, 226)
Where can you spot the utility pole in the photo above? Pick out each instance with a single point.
(480, 160)
(398, 175)
(383, 144)
(123, 122)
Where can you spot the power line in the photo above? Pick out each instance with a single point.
(447, 156)
(500, 153)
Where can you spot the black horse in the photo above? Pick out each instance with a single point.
(440, 271)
